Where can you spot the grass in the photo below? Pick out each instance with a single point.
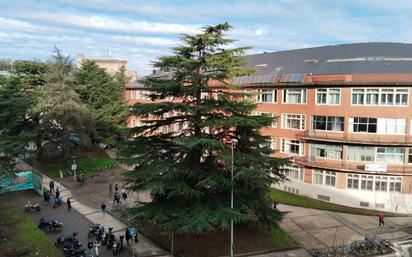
(306, 202)
(23, 238)
(86, 162)
(248, 239)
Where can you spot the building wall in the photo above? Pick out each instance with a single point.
(340, 193)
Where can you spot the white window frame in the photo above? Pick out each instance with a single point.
(366, 182)
(324, 178)
(137, 94)
(286, 95)
(393, 182)
(352, 178)
(273, 92)
(389, 126)
(387, 152)
(329, 147)
(368, 123)
(327, 92)
(328, 119)
(301, 118)
(286, 143)
(294, 173)
(390, 183)
(136, 123)
(397, 96)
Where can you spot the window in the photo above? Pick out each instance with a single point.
(292, 146)
(410, 155)
(294, 96)
(391, 126)
(323, 177)
(389, 154)
(352, 181)
(328, 151)
(138, 94)
(328, 96)
(367, 183)
(362, 124)
(293, 172)
(328, 123)
(381, 183)
(330, 178)
(270, 114)
(136, 123)
(293, 121)
(248, 95)
(272, 143)
(395, 184)
(267, 96)
(317, 177)
(360, 153)
(380, 96)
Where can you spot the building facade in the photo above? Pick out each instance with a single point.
(343, 116)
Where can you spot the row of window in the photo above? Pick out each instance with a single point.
(332, 96)
(324, 96)
(384, 126)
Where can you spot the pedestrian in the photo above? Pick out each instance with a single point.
(57, 186)
(90, 246)
(133, 233)
(69, 204)
(116, 187)
(381, 219)
(110, 188)
(124, 195)
(96, 247)
(57, 199)
(127, 235)
(61, 174)
(103, 207)
(274, 205)
(57, 192)
(45, 195)
(51, 185)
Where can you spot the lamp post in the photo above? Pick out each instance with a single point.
(233, 142)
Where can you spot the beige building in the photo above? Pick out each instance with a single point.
(110, 64)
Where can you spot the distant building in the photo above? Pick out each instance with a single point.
(110, 64)
(344, 120)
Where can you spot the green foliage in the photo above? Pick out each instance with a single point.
(188, 171)
(103, 95)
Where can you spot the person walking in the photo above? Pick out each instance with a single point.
(90, 246)
(133, 234)
(56, 199)
(381, 219)
(124, 195)
(69, 204)
(127, 235)
(45, 196)
(103, 207)
(96, 247)
(110, 188)
(274, 205)
(116, 187)
(51, 185)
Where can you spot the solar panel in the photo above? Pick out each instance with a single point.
(292, 78)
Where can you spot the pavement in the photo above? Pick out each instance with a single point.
(314, 229)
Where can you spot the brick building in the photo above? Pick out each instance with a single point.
(344, 118)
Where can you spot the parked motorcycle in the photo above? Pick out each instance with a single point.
(110, 241)
(105, 236)
(29, 206)
(117, 245)
(94, 230)
(50, 225)
(62, 241)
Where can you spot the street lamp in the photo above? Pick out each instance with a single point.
(233, 142)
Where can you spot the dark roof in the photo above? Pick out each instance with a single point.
(335, 59)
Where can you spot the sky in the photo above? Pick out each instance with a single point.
(141, 31)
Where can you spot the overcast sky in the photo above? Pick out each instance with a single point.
(141, 31)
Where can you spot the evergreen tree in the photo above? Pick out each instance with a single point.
(103, 95)
(188, 170)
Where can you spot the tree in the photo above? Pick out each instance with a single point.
(17, 97)
(187, 170)
(103, 95)
(64, 122)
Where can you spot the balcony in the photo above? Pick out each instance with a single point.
(347, 166)
(358, 138)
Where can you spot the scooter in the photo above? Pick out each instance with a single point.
(118, 245)
(110, 241)
(106, 235)
(29, 206)
(51, 225)
(94, 229)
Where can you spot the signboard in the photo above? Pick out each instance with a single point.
(22, 181)
(376, 167)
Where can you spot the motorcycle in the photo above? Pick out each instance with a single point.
(66, 241)
(29, 206)
(51, 225)
(73, 252)
(110, 241)
(105, 236)
(94, 229)
(117, 245)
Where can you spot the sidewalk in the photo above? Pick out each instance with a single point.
(145, 247)
(314, 229)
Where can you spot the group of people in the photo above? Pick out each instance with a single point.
(93, 244)
(57, 197)
(117, 196)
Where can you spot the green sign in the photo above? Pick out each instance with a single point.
(21, 181)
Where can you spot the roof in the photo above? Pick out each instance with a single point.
(335, 59)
